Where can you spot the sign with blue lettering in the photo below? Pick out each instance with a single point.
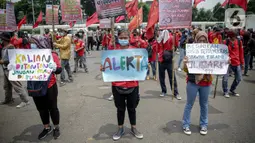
(124, 65)
(207, 58)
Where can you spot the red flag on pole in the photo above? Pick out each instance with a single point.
(22, 21)
(196, 2)
(120, 18)
(39, 20)
(137, 20)
(132, 8)
(225, 3)
(92, 19)
(72, 23)
(241, 3)
(152, 19)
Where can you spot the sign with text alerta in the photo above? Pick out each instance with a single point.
(235, 18)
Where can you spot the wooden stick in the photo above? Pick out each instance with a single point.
(173, 71)
(216, 84)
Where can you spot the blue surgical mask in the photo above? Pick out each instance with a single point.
(123, 42)
(33, 46)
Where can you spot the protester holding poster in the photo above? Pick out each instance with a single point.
(64, 44)
(197, 84)
(47, 104)
(126, 94)
(236, 54)
(8, 85)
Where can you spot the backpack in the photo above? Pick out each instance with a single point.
(38, 88)
(149, 50)
(239, 42)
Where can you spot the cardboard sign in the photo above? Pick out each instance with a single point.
(175, 14)
(71, 10)
(49, 14)
(207, 58)
(30, 64)
(105, 23)
(124, 65)
(110, 8)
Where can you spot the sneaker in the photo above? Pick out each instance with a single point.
(118, 134)
(70, 80)
(7, 102)
(187, 131)
(179, 69)
(226, 95)
(44, 133)
(23, 104)
(203, 131)
(86, 71)
(136, 133)
(234, 93)
(178, 97)
(110, 98)
(162, 94)
(147, 78)
(62, 83)
(56, 133)
(74, 71)
(155, 78)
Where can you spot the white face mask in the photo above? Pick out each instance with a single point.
(33, 46)
(61, 34)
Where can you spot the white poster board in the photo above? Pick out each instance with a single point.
(207, 58)
(30, 64)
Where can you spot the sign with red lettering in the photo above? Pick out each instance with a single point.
(175, 14)
(10, 18)
(110, 8)
(71, 10)
(207, 58)
(49, 14)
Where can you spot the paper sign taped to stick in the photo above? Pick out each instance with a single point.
(207, 58)
(110, 8)
(175, 14)
(105, 23)
(124, 65)
(71, 10)
(30, 64)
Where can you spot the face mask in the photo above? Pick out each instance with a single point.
(80, 34)
(123, 42)
(33, 46)
(61, 34)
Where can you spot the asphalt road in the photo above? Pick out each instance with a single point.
(88, 117)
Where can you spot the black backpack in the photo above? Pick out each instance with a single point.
(150, 51)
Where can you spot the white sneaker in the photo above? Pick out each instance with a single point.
(162, 95)
(178, 97)
(22, 104)
(187, 131)
(226, 95)
(179, 69)
(110, 98)
(203, 131)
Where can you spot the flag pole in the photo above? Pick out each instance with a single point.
(112, 31)
(173, 71)
(53, 19)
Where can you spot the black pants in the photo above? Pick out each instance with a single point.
(90, 43)
(47, 106)
(98, 44)
(251, 60)
(123, 101)
(167, 67)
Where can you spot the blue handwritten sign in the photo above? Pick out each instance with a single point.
(124, 65)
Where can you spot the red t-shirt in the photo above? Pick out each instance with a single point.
(154, 45)
(135, 41)
(235, 52)
(53, 78)
(165, 46)
(216, 38)
(125, 84)
(79, 47)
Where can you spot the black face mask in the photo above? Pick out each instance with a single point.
(135, 35)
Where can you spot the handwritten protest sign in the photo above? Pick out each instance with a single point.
(71, 10)
(10, 17)
(105, 23)
(49, 14)
(207, 58)
(2, 19)
(175, 14)
(110, 8)
(30, 64)
(124, 65)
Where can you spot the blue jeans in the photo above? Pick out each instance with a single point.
(65, 65)
(182, 55)
(246, 63)
(192, 90)
(238, 77)
(153, 67)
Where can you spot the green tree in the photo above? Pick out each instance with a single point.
(146, 10)
(251, 7)
(194, 13)
(218, 13)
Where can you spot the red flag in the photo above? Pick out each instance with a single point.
(39, 20)
(72, 23)
(137, 20)
(119, 18)
(153, 15)
(22, 21)
(150, 32)
(225, 3)
(196, 2)
(241, 3)
(132, 8)
(92, 19)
